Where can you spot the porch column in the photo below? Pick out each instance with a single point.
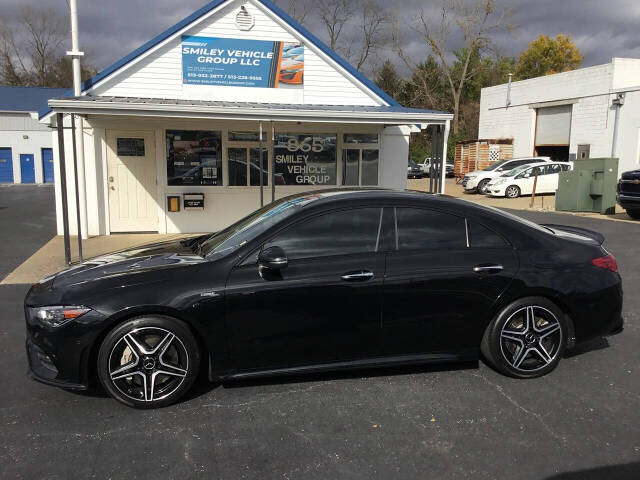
(443, 169)
(63, 188)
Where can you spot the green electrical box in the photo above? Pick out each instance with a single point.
(589, 187)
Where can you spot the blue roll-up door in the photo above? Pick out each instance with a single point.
(6, 166)
(47, 165)
(27, 168)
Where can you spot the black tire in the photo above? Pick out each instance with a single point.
(635, 214)
(521, 351)
(160, 354)
(482, 186)
(512, 191)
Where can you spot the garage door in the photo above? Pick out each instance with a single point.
(553, 129)
(6, 166)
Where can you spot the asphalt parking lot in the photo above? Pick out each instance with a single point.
(454, 421)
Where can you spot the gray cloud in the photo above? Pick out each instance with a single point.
(109, 29)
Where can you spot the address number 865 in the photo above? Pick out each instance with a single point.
(307, 145)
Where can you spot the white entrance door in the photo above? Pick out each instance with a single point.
(131, 180)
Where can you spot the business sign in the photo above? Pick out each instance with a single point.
(241, 63)
(306, 159)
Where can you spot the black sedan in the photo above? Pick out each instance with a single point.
(328, 280)
(413, 170)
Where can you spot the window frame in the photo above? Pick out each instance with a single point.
(467, 219)
(312, 216)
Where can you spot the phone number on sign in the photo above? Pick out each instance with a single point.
(224, 77)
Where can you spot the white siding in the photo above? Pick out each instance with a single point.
(626, 73)
(159, 74)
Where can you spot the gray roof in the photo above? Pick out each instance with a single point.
(253, 105)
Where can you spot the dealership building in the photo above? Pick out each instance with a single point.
(592, 112)
(233, 107)
(25, 144)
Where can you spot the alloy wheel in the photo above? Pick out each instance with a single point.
(512, 192)
(531, 338)
(148, 364)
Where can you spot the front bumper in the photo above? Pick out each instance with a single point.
(469, 183)
(496, 190)
(629, 202)
(62, 356)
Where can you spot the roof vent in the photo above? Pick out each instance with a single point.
(244, 20)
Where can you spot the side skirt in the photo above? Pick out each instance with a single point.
(377, 362)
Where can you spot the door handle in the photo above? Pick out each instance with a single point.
(488, 268)
(359, 276)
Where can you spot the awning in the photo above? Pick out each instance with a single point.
(155, 107)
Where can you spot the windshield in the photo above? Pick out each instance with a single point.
(494, 166)
(236, 235)
(412, 163)
(515, 171)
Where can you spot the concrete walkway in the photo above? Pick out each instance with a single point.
(50, 258)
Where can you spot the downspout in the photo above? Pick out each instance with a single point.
(509, 91)
(75, 55)
(617, 103)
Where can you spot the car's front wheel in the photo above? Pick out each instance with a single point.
(526, 339)
(148, 362)
(482, 186)
(512, 191)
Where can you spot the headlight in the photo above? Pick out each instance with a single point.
(499, 181)
(56, 316)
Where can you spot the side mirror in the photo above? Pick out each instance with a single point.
(273, 258)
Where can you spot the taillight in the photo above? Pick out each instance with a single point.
(608, 263)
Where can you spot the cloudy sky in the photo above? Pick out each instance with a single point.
(109, 29)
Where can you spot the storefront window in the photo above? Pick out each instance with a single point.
(194, 157)
(360, 138)
(360, 166)
(242, 174)
(305, 159)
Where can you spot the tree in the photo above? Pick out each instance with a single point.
(334, 15)
(296, 8)
(545, 56)
(389, 80)
(32, 54)
(475, 21)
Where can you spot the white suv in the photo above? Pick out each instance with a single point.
(479, 179)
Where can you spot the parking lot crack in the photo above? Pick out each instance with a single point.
(515, 403)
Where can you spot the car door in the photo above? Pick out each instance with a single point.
(551, 177)
(442, 279)
(525, 179)
(323, 307)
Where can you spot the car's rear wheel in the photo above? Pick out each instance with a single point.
(148, 362)
(635, 214)
(512, 191)
(482, 186)
(526, 339)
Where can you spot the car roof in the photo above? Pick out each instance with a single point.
(542, 159)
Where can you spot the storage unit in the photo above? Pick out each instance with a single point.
(190, 112)
(22, 134)
(479, 154)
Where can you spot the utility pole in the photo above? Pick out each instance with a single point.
(75, 55)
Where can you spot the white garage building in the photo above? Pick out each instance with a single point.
(591, 112)
(25, 143)
(171, 133)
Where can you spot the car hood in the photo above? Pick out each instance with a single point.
(126, 262)
(631, 175)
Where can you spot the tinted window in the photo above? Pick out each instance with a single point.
(420, 229)
(194, 157)
(481, 237)
(335, 233)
